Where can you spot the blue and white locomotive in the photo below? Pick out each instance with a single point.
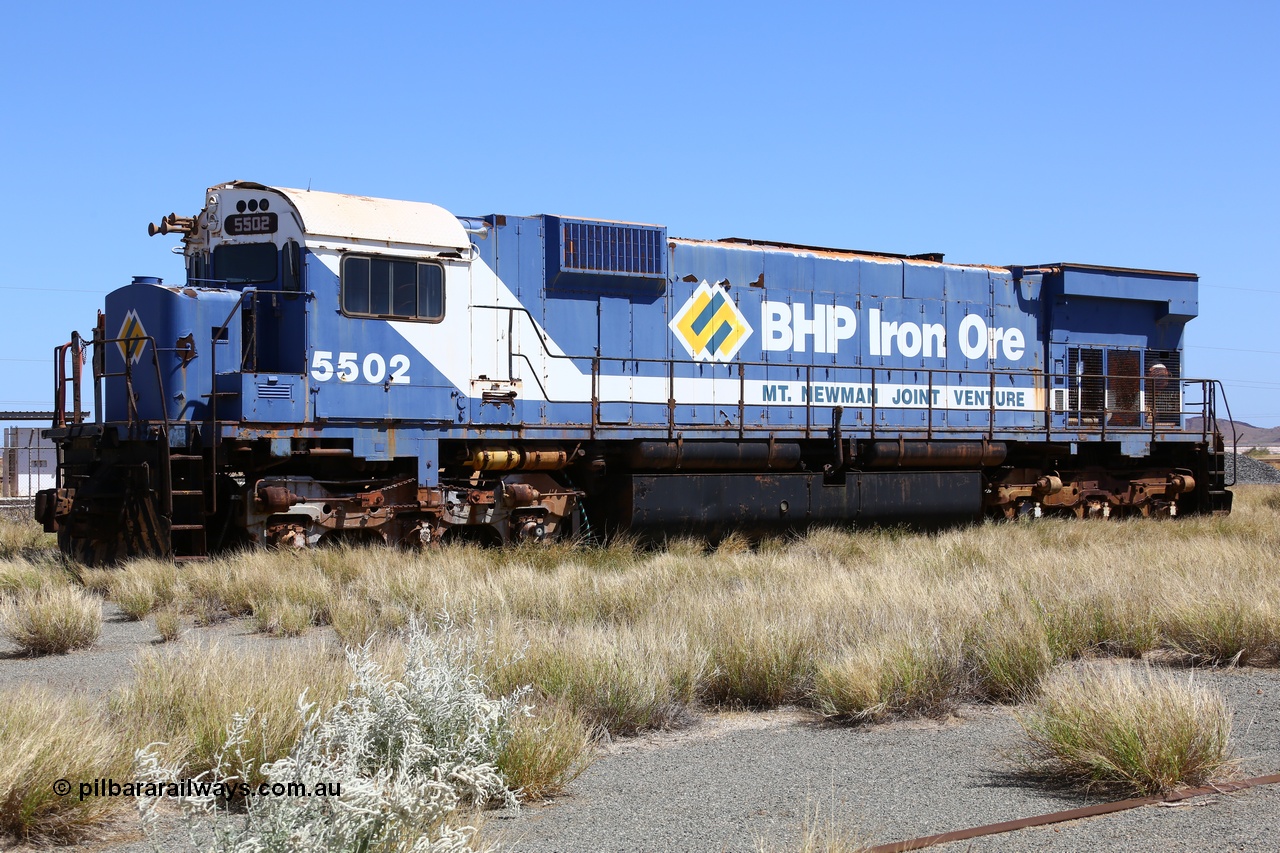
(338, 366)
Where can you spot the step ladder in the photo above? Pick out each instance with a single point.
(189, 536)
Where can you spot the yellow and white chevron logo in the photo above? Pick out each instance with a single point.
(132, 337)
(709, 325)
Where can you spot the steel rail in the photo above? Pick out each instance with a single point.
(1071, 814)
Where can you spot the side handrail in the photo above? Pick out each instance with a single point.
(216, 437)
(1146, 404)
(1235, 455)
(60, 381)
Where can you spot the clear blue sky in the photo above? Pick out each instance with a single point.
(1134, 134)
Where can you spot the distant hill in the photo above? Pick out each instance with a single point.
(1247, 435)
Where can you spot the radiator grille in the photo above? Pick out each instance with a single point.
(1164, 393)
(1123, 385)
(1084, 369)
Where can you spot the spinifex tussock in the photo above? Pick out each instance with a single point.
(1104, 602)
(18, 576)
(356, 618)
(45, 737)
(1271, 501)
(911, 675)
(52, 620)
(23, 538)
(757, 662)
(97, 581)
(142, 586)
(411, 583)
(168, 622)
(185, 699)
(262, 578)
(1222, 630)
(616, 680)
(281, 617)
(1235, 622)
(545, 752)
(1102, 622)
(1006, 655)
(1127, 727)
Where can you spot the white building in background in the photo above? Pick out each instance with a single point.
(29, 463)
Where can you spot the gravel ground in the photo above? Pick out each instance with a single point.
(93, 672)
(1250, 471)
(90, 672)
(746, 781)
(743, 782)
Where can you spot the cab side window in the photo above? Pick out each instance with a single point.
(392, 288)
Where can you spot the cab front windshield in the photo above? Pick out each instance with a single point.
(245, 263)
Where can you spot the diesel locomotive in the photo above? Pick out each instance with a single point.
(337, 367)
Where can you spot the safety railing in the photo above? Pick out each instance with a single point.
(62, 381)
(1009, 401)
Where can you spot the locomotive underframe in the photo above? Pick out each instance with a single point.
(125, 492)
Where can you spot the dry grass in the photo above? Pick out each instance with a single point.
(824, 833)
(915, 676)
(863, 625)
(24, 539)
(546, 752)
(821, 831)
(52, 620)
(1130, 728)
(1007, 655)
(1235, 622)
(19, 575)
(185, 699)
(281, 617)
(168, 623)
(356, 620)
(143, 586)
(618, 681)
(97, 581)
(756, 661)
(45, 737)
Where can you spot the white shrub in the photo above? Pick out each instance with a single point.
(407, 752)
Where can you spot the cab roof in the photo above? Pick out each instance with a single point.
(357, 217)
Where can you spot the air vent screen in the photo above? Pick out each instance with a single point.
(275, 392)
(588, 256)
(612, 248)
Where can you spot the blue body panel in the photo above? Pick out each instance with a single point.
(774, 339)
(622, 328)
(167, 315)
